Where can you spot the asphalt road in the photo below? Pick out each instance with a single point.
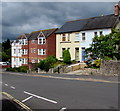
(51, 93)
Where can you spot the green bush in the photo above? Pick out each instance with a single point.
(41, 64)
(47, 63)
(19, 69)
(9, 69)
(23, 69)
(66, 57)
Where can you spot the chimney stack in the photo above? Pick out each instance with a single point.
(116, 9)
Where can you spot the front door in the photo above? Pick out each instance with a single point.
(83, 54)
(77, 54)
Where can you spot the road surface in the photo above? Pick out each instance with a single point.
(54, 93)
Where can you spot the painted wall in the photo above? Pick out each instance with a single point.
(15, 59)
(72, 44)
(89, 36)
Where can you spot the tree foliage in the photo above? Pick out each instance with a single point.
(6, 51)
(107, 46)
(66, 57)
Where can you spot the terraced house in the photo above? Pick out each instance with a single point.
(33, 47)
(77, 35)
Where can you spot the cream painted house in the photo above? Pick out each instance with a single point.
(77, 35)
(68, 41)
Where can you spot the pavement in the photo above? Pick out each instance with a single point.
(9, 103)
(61, 92)
(73, 76)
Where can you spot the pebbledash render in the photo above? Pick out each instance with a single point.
(77, 35)
(28, 49)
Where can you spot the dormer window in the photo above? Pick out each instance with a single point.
(24, 42)
(41, 40)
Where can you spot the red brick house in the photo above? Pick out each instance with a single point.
(41, 44)
(31, 48)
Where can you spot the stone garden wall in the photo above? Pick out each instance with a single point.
(110, 67)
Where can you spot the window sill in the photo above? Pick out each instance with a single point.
(77, 41)
(65, 42)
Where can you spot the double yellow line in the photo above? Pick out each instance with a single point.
(17, 101)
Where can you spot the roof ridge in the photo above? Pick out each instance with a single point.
(43, 30)
(89, 18)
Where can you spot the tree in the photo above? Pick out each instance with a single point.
(107, 46)
(6, 51)
(66, 57)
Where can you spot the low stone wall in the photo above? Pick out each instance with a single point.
(73, 67)
(110, 67)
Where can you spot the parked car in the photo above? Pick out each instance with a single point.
(3, 63)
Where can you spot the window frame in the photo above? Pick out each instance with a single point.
(77, 37)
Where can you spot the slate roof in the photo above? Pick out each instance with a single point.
(46, 33)
(21, 36)
(100, 22)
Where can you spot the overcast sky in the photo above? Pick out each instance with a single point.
(25, 17)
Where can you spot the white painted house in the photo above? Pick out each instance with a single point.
(85, 30)
(16, 49)
(19, 51)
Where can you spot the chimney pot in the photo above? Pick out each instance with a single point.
(116, 9)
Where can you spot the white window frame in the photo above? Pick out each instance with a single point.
(83, 36)
(68, 36)
(63, 36)
(41, 51)
(33, 60)
(26, 61)
(44, 51)
(41, 40)
(25, 42)
(23, 61)
(14, 51)
(26, 51)
(77, 36)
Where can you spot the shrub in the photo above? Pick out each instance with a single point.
(66, 57)
(23, 69)
(47, 63)
(97, 63)
(41, 64)
(9, 69)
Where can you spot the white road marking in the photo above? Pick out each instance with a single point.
(0, 82)
(6, 84)
(12, 87)
(63, 109)
(40, 97)
(27, 99)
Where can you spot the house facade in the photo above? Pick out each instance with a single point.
(31, 48)
(19, 51)
(81, 32)
(42, 44)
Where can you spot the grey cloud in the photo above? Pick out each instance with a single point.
(25, 17)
